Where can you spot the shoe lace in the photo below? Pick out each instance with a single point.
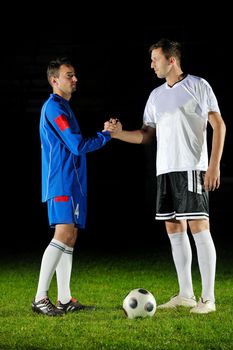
(49, 305)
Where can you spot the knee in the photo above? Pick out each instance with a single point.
(199, 225)
(71, 238)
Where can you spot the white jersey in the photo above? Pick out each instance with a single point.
(180, 114)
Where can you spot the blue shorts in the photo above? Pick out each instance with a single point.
(63, 210)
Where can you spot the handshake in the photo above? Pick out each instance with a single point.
(113, 125)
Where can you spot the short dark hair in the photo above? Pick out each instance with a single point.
(54, 66)
(169, 48)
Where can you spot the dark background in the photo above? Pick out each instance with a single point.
(115, 79)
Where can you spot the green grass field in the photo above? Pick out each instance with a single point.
(104, 280)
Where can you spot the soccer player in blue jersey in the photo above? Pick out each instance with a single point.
(178, 112)
(64, 186)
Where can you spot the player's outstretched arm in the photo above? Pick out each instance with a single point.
(115, 127)
(144, 135)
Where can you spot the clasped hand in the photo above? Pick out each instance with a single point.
(113, 125)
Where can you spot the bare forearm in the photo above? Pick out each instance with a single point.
(135, 136)
(217, 145)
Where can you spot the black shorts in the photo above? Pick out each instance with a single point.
(181, 196)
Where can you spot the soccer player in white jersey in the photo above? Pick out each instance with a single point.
(178, 112)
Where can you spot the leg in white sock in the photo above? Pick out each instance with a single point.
(206, 255)
(49, 263)
(63, 273)
(182, 256)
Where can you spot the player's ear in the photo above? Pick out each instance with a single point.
(172, 60)
(53, 81)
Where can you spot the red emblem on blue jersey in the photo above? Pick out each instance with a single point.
(62, 122)
(61, 199)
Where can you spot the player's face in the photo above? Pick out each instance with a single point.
(160, 63)
(66, 83)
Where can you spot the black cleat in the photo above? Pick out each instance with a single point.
(73, 305)
(45, 307)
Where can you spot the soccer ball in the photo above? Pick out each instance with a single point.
(139, 302)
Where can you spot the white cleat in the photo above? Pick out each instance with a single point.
(177, 300)
(204, 307)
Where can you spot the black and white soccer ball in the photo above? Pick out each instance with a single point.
(139, 302)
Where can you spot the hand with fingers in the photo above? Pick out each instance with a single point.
(113, 125)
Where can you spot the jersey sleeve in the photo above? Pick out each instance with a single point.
(149, 116)
(64, 125)
(209, 100)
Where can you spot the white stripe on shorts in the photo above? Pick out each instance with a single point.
(195, 181)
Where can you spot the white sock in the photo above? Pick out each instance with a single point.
(206, 255)
(50, 259)
(63, 273)
(182, 256)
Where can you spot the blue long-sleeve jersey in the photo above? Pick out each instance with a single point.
(64, 151)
